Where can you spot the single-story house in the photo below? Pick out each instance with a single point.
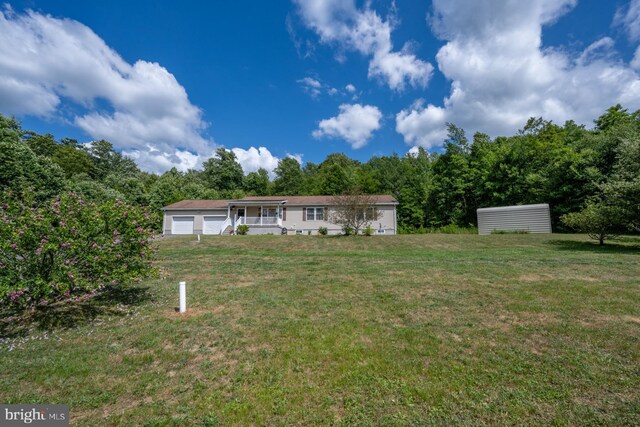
(267, 215)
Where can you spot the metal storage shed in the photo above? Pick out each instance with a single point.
(529, 218)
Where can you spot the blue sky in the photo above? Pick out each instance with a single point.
(167, 83)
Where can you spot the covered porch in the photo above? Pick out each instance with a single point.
(257, 213)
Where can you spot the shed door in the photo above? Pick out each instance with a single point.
(213, 224)
(182, 225)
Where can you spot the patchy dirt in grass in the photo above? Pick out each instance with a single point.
(174, 313)
(241, 284)
(598, 319)
(632, 319)
(533, 277)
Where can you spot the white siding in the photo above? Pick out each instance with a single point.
(530, 218)
(294, 221)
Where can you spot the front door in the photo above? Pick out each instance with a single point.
(240, 216)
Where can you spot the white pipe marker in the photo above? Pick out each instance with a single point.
(183, 297)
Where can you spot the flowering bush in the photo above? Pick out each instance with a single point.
(68, 249)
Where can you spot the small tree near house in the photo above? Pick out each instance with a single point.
(353, 210)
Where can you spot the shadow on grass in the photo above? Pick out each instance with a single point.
(116, 302)
(622, 245)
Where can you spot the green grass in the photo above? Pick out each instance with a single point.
(386, 330)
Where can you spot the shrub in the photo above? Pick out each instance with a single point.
(242, 229)
(368, 231)
(323, 231)
(510, 232)
(454, 229)
(67, 249)
(445, 229)
(347, 231)
(403, 229)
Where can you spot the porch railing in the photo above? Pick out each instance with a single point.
(258, 220)
(225, 224)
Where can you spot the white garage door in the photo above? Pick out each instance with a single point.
(182, 225)
(213, 224)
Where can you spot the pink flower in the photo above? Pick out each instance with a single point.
(39, 251)
(44, 302)
(13, 246)
(20, 232)
(56, 204)
(96, 258)
(67, 293)
(71, 212)
(43, 241)
(115, 232)
(94, 246)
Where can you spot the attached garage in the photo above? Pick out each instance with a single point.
(213, 224)
(525, 218)
(182, 225)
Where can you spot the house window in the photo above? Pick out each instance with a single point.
(269, 212)
(315, 214)
(365, 214)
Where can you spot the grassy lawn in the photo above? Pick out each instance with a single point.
(391, 330)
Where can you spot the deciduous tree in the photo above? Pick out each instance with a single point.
(222, 172)
(353, 210)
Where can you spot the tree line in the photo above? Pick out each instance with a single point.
(568, 166)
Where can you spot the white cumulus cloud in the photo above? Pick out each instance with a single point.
(355, 124)
(46, 62)
(501, 74)
(297, 157)
(255, 158)
(340, 22)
